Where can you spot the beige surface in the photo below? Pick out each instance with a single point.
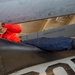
(35, 26)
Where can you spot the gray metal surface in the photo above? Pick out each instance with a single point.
(16, 11)
(65, 31)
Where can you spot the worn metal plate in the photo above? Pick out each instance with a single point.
(14, 61)
(58, 67)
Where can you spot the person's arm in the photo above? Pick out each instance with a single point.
(13, 27)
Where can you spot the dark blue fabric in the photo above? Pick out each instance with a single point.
(52, 44)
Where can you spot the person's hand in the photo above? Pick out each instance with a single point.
(2, 29)
(0, 25)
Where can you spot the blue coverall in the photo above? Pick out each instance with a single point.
(52, 44)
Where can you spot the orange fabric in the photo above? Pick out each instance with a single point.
(10, 34)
